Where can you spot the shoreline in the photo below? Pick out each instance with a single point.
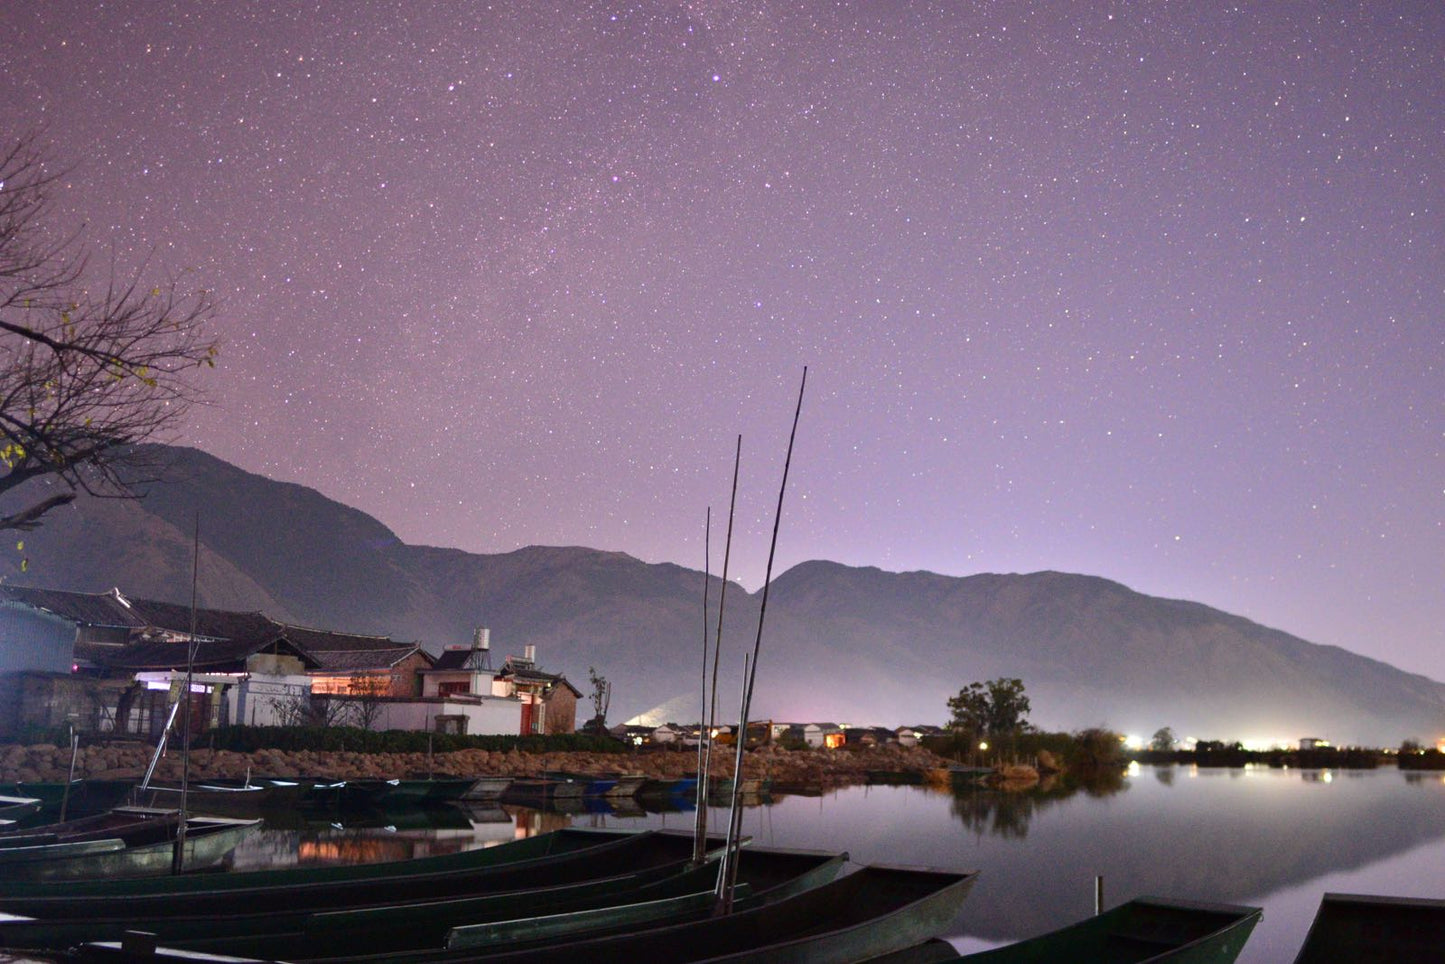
(118, 761)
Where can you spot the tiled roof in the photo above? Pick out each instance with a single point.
(351, 660)
(233, 635)
(219, 623)
(85, 608)
(322, 639)
(210, 654)
(455, 659)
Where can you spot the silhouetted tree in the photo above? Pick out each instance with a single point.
(1163, 740)
(993, 709)
(88, 367)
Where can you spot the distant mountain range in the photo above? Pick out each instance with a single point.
(841, 644)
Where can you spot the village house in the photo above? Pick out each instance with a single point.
(104, 663)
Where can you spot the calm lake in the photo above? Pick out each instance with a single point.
(1276, 839)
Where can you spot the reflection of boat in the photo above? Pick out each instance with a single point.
(1143, 931)
(1353, 927)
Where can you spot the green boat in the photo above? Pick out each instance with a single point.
(867, 913)
(77, 798)
(18, 808)
(564, 856)
(409, 926)
(140, 851)
(1143, 931)
(1362, 928)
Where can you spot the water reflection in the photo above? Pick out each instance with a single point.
(1237, 835)
(1006, 812)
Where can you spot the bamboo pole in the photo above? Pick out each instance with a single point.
(735, 820)
(699, 830)
(706, 732)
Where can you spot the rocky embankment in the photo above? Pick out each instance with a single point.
(810, 767)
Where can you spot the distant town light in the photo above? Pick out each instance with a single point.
(1133, 742)
(983, 744)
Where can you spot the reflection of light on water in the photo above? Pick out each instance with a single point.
(1327, 777)
(352, 850)
(1133, 769)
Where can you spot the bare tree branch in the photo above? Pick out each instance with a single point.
(85, 373)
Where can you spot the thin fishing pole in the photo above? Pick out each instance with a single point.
(735, 816)
(699, 829)
(702, 775)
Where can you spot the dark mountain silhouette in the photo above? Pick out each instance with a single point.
(841, 643)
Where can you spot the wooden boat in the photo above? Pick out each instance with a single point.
(142, 849)
(677, 794)
(592, 784)
(249, 797)
(78, 797)
(867, 913)
(627, 784)
(487, 788)
(1358, 927)
(564, 856)
(422, 791)
(16, 808)
(1148, 930)
(111, 824)
(406, 927)
(529, 791)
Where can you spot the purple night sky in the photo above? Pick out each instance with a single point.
(1150, 291)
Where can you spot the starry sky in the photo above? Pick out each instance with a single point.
(1151, 290)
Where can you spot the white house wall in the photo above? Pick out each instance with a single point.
(487, 717)
(263, 700)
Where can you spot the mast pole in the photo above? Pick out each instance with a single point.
(699, 832)
(178, 856)
(706, 733)
(736, 814)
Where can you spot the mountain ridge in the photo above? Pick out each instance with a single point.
(841, 642)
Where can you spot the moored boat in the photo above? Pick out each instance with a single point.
(592, 784)
(142, 849)
(16, 808)
(562, 856)
(1147, 930)
(114, 823)
(404, 792)
(76, 798)
(1360, 927)
(412, 926)
(487, 788)
(869, 912)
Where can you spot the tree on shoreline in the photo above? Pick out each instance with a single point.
(89, 367)
(990, 710)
